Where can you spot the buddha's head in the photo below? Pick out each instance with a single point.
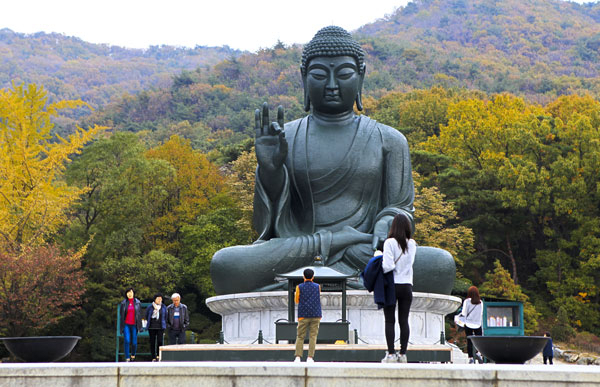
(333, 70)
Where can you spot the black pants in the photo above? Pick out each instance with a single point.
(156, 341)
(546, 358)
(176, 337)
(403, 299)
(472, 332)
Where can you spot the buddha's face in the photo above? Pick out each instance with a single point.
(333, 83)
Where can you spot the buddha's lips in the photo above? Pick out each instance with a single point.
(335, 96)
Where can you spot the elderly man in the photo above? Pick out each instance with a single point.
(178, 320)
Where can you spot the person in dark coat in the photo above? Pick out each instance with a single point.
(156, 316)
(131, 322)
(548, 352)
(178, 320)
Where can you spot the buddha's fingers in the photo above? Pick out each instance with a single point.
(283, 142)
(280, 116)
(375, 243)
(265, 118)
(257, 127)
(274, 129)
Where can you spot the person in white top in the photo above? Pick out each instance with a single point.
(398, 256)
(471, 316)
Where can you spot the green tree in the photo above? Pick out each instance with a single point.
(499, 284)
(562, 330)
(123, 191)
(210, 233)
(148, 274)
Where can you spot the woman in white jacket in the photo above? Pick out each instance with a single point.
(471, 316)
(399, 255)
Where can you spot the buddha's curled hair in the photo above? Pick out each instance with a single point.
(333, 41)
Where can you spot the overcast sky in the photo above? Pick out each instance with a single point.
(241, 24)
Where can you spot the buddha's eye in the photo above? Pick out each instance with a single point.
(318, 74)
(346, 73)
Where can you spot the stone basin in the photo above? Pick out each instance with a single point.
(40, 349)
(509, 349)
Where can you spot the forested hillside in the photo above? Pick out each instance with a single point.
(68, 67)
(538, 49)
(527, 47)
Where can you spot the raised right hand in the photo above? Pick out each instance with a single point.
(270, 143)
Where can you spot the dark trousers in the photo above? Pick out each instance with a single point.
(156, 341)
(546, 358)
(176, 337)
(403, 299)
(472, 332)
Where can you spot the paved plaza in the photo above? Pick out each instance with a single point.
(216, 374)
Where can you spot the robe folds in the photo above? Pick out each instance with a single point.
(373, 180)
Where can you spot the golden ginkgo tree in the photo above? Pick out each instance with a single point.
(33, 195)
(34, 198)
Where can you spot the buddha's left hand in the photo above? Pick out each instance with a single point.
(380, 232)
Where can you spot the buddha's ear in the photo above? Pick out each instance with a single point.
(306, 97)
(362, 72)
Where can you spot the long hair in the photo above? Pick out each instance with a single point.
(401, 231)
(473, 294)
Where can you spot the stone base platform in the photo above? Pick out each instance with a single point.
(244, 314)
(285, 353)
(217, 374)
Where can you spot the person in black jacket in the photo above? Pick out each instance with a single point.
(131, 322)
(178, 320)
(548, 352)
(156, 316)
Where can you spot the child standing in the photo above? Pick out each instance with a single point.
(308, 298)
(548, 352)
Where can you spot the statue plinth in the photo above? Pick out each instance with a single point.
(244, 314)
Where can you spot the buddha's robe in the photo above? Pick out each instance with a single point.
(373, 180)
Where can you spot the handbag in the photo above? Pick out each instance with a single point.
(460, 324)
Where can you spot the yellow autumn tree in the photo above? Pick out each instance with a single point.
(195, 187)
(243, 172)
(433, 215)
(33, 195)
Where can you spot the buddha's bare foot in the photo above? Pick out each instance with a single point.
(348, 236)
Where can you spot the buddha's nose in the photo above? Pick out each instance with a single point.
(332, 82)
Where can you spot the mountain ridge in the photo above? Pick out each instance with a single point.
(486, 43)
(70, 67)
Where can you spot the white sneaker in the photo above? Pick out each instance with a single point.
(390, 358)
(309, 360)
(297, 359)
(402, 359)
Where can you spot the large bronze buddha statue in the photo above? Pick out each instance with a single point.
(328, 184)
